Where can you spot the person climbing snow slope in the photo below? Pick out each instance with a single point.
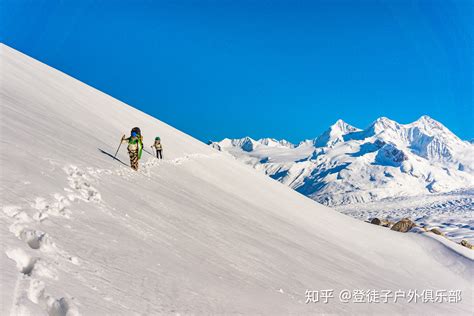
(135, 147)
(159, 148)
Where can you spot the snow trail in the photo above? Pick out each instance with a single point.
(37, 268)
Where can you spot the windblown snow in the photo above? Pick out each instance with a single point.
(199, 232)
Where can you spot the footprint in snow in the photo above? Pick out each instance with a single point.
(24, 262)
(36, 293)
(81, 184)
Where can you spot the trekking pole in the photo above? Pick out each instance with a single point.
(118, 147)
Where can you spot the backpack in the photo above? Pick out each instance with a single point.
(140, 143)
(136, 130)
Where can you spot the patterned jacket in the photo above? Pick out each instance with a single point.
(157, 145)
(134, 143)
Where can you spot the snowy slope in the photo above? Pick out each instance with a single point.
(196, 233)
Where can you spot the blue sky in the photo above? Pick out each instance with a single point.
(283, 69)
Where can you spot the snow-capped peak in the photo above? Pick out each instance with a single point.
(246, 143)
(430, 126)
(285, 143)
(272, 142)
(426, 137)
(334, 134)
(382, 124)
(423, 156)
(426, 119)
(343, 127)
(268, 141)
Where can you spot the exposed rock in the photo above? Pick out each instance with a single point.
(390, 155)
(436, 231)
(466, 244)
(403, 225)
(381, 222)
(376, 221)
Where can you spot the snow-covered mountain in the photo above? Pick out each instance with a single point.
(248, 144)
(196, 233)
(334, 134)
(348, 165)
(272, 142)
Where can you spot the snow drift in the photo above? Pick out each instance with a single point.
(81, 233)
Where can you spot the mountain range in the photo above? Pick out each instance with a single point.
(346, 164)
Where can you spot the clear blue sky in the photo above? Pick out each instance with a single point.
(283, 69)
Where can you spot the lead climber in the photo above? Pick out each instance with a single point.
(135, 147)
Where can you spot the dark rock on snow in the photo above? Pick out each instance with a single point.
(403, 225)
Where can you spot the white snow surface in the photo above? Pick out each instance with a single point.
(196, 233)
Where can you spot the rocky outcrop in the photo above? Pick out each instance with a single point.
(381, 222)
(403, 225)
(390, 155)
(437, 232)
(466, 244)
(406, 224)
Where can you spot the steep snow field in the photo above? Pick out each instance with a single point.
(197, 233)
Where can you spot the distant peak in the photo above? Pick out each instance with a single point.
(429, 124)
(273, 142)
(342, 126)
(266, 140)
(384, 119)
(339, 124)
(246, 143)
(241, 140)
(425, 119)
(334, 134)
(383, 123)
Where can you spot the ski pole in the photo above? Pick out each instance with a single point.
(119, 147)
